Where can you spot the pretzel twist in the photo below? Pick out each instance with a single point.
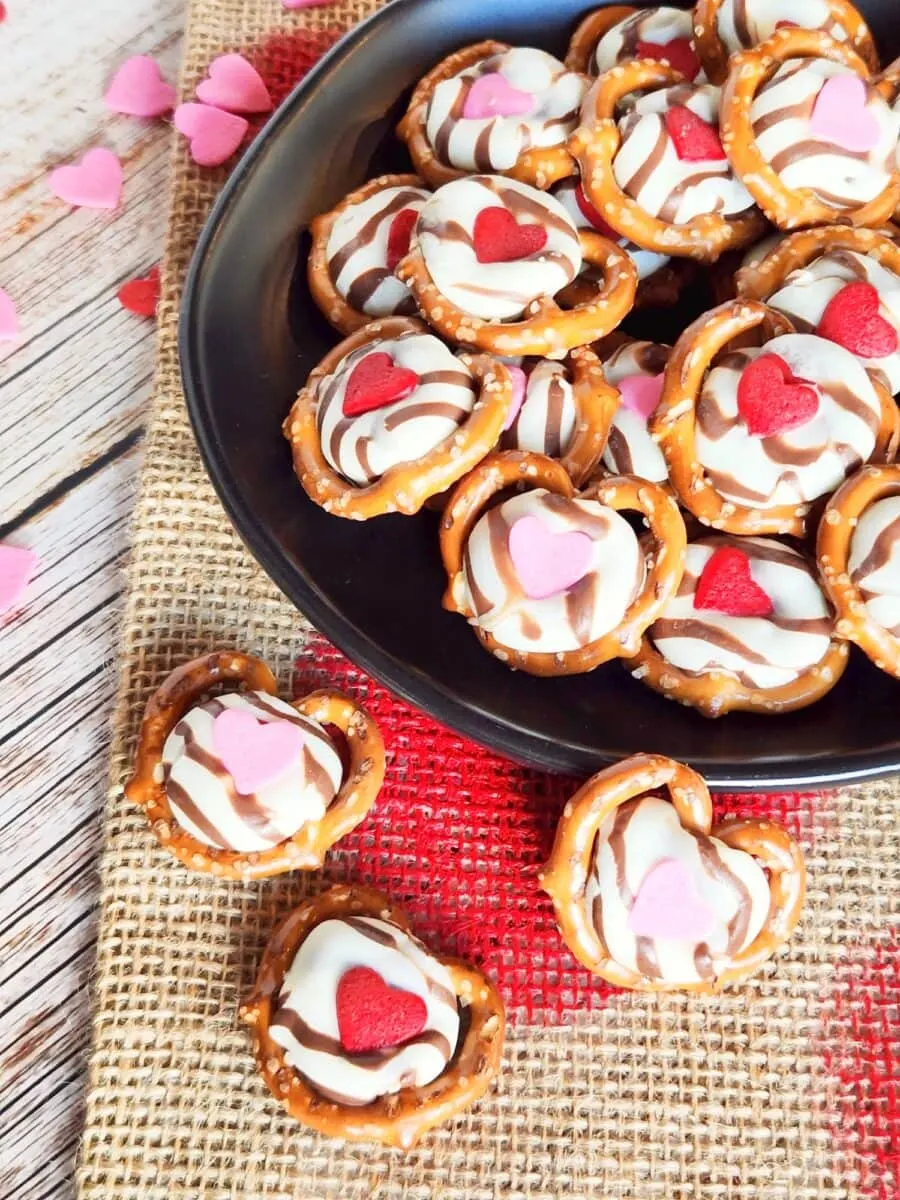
(580, 56)
(798, 250)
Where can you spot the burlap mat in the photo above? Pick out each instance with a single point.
(787, 1088)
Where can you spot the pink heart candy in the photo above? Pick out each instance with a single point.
(641, 393)
(520, 387)
(95, 182)
(17, 565)
(668, 905)
(548, 563)
(236, 85)
(139, 90)
(491, 96)
(254, 752)
(10, 330)
(214, 135)
(840, 115)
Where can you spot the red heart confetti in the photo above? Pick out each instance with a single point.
(399, 236)
(141, 296)
(375, 382)
(372, 1015)
(727, 586)
(771, 400)
(853, 320)
(694, 139)
(679, 53)
(2, 12)
(498, 237)
(593, 214)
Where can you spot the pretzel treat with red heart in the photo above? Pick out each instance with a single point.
(494, 109)
(621, 33)
(391, 417)
(750, 629)
(489, 254)
(753, 435)
(554, 581)
(360, 1032)
(650, 895)
(636, 370)
(808, 132)
(858, 552)
(241, 784)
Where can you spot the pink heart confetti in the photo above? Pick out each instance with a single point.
(17, 565)
(10, 330)
(548, 563)
(95, 182)
(641, 393)
(214, 135)
(289, 4)
(236, 85)
(668, 905)
(840, 115)
(491, 96)
(520, 387)
(139, 90)
(254, 752)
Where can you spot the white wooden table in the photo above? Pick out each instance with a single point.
(72, 400)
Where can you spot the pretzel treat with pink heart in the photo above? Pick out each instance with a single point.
(753, 435)
(554, 581)
(391, 417)
(636, 370)
(361, 1032)
(650, 895)
(240, 784)
(621, 33)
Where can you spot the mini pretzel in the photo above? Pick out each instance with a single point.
(472, 498)
(673, 423)
(791, 208)
(405, 487)
(587, 37)
(187, 686)
(763, 279)
(399, 1119)
(595, 145)
(837, 530)
(566, 874)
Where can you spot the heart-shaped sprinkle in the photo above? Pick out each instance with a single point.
(641, 393)
(214, 135)
(592, 215)
(497, 237)
(95, 182)
(141, 296)
(840, 115)
(771, 400)
(253, 752)
(375, 382)
(139, 90)
(10, 330)
(235, 84)
(491, 96)
(852, 318)
(726, 585)
(400, 235)
(17, 565)
(372, 1015)
(520, 388)
(548, 563)
(693, 138)
(679, 53)
(668, 905)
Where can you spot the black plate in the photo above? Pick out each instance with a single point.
(249, 336)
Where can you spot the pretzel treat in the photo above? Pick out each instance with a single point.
(858, 551)
(617, 34)
(241, 784)
(754, 435)
(654, 167)
(636, 370)
(391, 417)
(750, 628)
(493, 108)
(723, 27)
(489, 255)
(556, 582)
(355, 248)
(809, 134)
(360, 1032)
(651, 896)
(840, 283)
(723, 274)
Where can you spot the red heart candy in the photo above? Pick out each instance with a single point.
(376, 382)
(852, 319)
(592, 214)
(372, 1015)
(726, 586)
(141, 296)
(771, 400)
(679, 53)
(693, 138)
(399, 236)
(498, 237)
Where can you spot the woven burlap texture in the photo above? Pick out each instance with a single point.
(749, 1095)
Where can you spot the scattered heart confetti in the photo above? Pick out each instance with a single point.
(520, 387)
(375, 382)
(668, 905)
(214, 135)
(372, 1015)
(679, 53)
(236, 85)
(593, 215)
(253, 752)
(17, 565)
(641, 393)
(497, 237)
(2, 12)
(10, 330)
(139, 90)
(548, 563)
(726, 585)
(840, 115)
(95, 182)
(493, 96)
(141, 296)
(771, 400)
(400, 235)
(694, 140)
(853, 320)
